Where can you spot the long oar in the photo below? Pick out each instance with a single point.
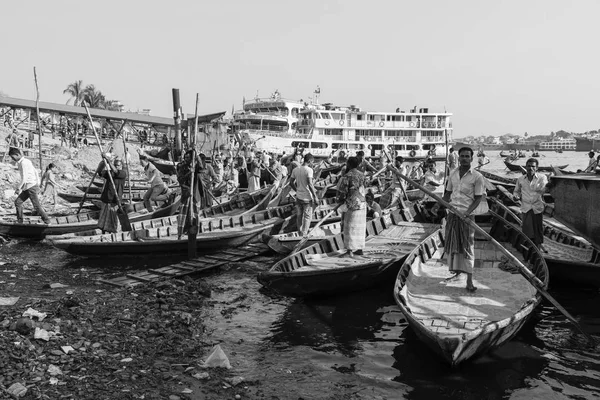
(527, 274)
(305, 238)
(87, 190)
(126, 223)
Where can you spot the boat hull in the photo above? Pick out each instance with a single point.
(454, 326)
(576, 204)
(159, 246)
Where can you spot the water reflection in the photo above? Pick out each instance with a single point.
(332, 324)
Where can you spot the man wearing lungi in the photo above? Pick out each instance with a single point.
(464, 190)
(529, 189)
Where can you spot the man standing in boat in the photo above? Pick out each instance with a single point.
(364, 166)
(529, 189)
(159, 191)
(396, 190)
(464, 190)
(301, 180)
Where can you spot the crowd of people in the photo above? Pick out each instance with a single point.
(221, 174)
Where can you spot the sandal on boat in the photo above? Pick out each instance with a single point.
(453, 278)
(471, 289)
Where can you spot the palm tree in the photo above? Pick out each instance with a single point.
(93, 97)
(76, 91)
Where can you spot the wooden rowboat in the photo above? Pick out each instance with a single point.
(136, 195)
(457, 324)
(34, 228)
(160, 237)
(569, 256)
(318, 270)
(519, 168)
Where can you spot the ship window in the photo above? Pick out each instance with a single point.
(318, 145)
(294, 112)
(371, 117)
(326, 116)
(359, 117)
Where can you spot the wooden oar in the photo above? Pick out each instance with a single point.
(126, 223)
(87, 190)
(478, 167)
(305, 238)
(525, 272)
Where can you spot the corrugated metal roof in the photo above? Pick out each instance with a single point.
(80, 111)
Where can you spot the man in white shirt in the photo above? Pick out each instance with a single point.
(464, 190)
(29, 188)
(301, 180)
(159, 191)
(529, 189)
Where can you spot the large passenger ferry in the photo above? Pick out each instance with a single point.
(278, 125)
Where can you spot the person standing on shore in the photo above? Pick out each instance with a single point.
(301, 180)
(49, 183)
(529, 189)
(464, 190)
(29, 188)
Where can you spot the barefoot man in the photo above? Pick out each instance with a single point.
(464, 190)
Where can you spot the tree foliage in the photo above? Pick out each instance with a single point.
(93, 97)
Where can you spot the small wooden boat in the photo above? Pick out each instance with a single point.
(458, 324)
(137, 187)
(519, 168)
(160, 237)
(34, 228)
(136, 195)
(318, 270)
(569, 256)
(284, 243)
(241, 203)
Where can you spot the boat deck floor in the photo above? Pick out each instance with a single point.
(447, 308)
(394, 242)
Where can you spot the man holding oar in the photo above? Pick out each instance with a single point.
(111, 194)
(396, 190)
(464, 190)
(530, 188)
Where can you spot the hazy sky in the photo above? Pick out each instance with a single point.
(500, 67)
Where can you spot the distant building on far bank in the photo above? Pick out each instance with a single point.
(558, 143)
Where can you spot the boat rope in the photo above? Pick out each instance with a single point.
(507, 266)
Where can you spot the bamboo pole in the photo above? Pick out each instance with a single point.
(127, 223)
(37, 110)
(193, 230)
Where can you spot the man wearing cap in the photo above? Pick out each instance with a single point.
(29, 188)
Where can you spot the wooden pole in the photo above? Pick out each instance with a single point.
(127, 224)
(37, 110)
(446, 165)
(193, 230)
(177, 120)
(525, 272)
(126, 153)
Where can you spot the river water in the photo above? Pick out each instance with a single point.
(358, 346)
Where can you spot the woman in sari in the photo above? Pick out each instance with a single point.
(351, 193)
